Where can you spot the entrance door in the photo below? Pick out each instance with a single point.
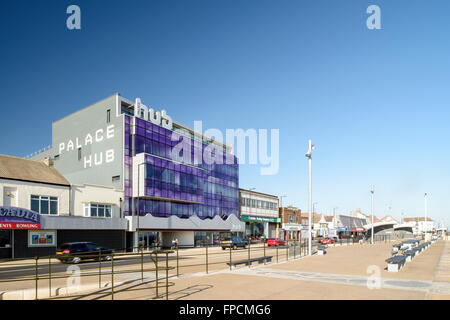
(148, 239)
(5, 244)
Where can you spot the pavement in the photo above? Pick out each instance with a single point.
(345, 272)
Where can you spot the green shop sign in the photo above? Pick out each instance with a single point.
(260, 219)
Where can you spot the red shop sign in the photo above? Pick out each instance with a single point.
(19, 225)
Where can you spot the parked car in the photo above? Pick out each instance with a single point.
(327, 241)
(276, 241)
(234, 242)
(75, 252)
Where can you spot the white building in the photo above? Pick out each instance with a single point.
(259, 211)
(420, 225)
(61, 212)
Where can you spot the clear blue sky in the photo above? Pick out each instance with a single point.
(375, 102)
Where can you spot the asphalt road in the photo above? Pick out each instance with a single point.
(29, 269)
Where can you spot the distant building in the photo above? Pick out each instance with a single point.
(291, 223)
(259, 211)
(349, 225)
(420, 225)
(359, 214)
(389, 218)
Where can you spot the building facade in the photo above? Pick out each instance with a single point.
(348, 226)
(291, 223)
(166, 180)
(259, 211)
(421, 225)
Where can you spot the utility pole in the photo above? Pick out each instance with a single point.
(372, 191)
(308, 155)
(426, 214)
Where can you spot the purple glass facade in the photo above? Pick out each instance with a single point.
(173, 188)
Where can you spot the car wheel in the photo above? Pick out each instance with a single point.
(223, 248)
(76, 260)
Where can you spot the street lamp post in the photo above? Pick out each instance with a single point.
(281, 208)
(372, 191)
(308, 155)
(313, 212)
(250, 208)
(281, 199)
(426, 214)
(334, 217)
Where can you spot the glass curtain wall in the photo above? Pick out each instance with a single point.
(184, 190)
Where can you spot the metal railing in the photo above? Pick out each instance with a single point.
(210, 258)
(103, 273)
(163, 263)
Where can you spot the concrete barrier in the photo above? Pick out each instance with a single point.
(43, 293)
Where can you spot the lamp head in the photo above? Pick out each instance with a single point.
(311, 147)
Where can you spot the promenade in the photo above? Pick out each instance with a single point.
(343, 273)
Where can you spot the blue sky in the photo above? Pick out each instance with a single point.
(374, 102)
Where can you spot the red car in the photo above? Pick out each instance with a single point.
(327, 241)
(276, 241)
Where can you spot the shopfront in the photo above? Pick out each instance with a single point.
(260, 227)
(292, 231)
(5, 244)
(14, 221)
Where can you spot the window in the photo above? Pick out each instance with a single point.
(44, 204)
(108, 116)
(116, 178)
(92, 247)
(97, 210)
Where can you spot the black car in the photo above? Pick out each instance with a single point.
(233, 242)
(74, 252)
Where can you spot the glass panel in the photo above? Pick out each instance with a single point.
(5, 238)
(101, 210)
(53, 207)
(107, 211)
(35, 204)
(44, 205)
(93, 210)
(86, 210)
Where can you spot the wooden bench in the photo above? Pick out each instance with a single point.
(249, 261)
(395, 263)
